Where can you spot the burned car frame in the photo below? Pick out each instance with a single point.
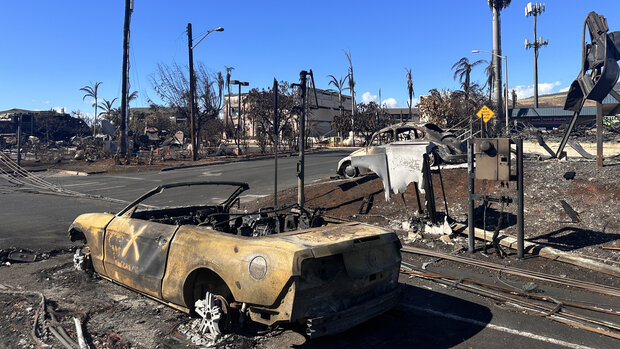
(272, 266)
(450, 150)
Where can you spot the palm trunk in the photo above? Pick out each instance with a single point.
(497, 69)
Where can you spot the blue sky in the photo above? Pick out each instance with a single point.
(52, 48)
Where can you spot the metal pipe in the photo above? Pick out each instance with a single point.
(239, 132)
(470, 193)
(599, 134)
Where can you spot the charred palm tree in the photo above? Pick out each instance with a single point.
(488, 71)
(108, 111)
(462, 71)
(351, 88)
(339, 85)
(91, 91)
(229, 119)
(409, 91)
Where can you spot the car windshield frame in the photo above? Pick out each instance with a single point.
(241, 187)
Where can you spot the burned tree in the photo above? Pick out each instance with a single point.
(260, 112)
(172, 85)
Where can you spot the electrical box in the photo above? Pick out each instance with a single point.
(492, 159)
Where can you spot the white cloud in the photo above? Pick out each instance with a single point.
(45, 102)
(389, 103)
(565, 89)
(368, 97)
(525, 91)
(90, 101)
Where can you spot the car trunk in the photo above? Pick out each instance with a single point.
(353, 263)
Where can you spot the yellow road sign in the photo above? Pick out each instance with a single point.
(485, 113)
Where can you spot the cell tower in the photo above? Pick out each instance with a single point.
(534, 10)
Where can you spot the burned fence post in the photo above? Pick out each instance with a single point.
(429, 194)
(520, 197)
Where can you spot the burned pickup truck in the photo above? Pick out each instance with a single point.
(272, 266)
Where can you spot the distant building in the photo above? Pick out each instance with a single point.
(318, 120)
(551, 117)
(398, 114)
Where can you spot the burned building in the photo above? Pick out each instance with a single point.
(47, 125)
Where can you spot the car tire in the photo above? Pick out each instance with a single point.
(434, 159)
(348, 171)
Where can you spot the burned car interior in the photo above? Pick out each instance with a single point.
(218, 216)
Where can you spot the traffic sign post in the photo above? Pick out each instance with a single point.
(485, 114)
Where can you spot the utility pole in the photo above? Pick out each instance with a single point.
(125, 88)
(19, 139)
(192, 92)
(535, 10)
(192, 86)
(303, 85)
(275, 142)
(302, 146)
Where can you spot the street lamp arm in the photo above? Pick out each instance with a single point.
(218, 29)
(494, 54)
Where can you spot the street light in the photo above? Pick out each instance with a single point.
(192, 84)
(240, 83)
(505, 82)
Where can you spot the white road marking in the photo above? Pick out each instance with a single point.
(81, 184)
(107, 188)
(211, 174)
(498, 328)
(250, 197)
(135, 178)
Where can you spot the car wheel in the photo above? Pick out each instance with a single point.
(349, 171)
(82, 260)
(214, 311)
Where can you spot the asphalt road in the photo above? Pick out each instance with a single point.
(40, 221)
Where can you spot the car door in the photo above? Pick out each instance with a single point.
(136, 252)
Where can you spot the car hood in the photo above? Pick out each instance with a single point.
(360, 151)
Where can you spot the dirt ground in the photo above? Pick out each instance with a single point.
(593, 193)
(115, 317)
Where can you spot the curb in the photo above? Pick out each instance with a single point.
(262, 157)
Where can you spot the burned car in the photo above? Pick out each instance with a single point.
(450, 150)
(273, 266)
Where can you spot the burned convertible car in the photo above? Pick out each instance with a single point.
(272, 266)
(450, 150)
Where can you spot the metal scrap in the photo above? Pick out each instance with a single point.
(574, 216)
(22, 256)
(397, 165)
